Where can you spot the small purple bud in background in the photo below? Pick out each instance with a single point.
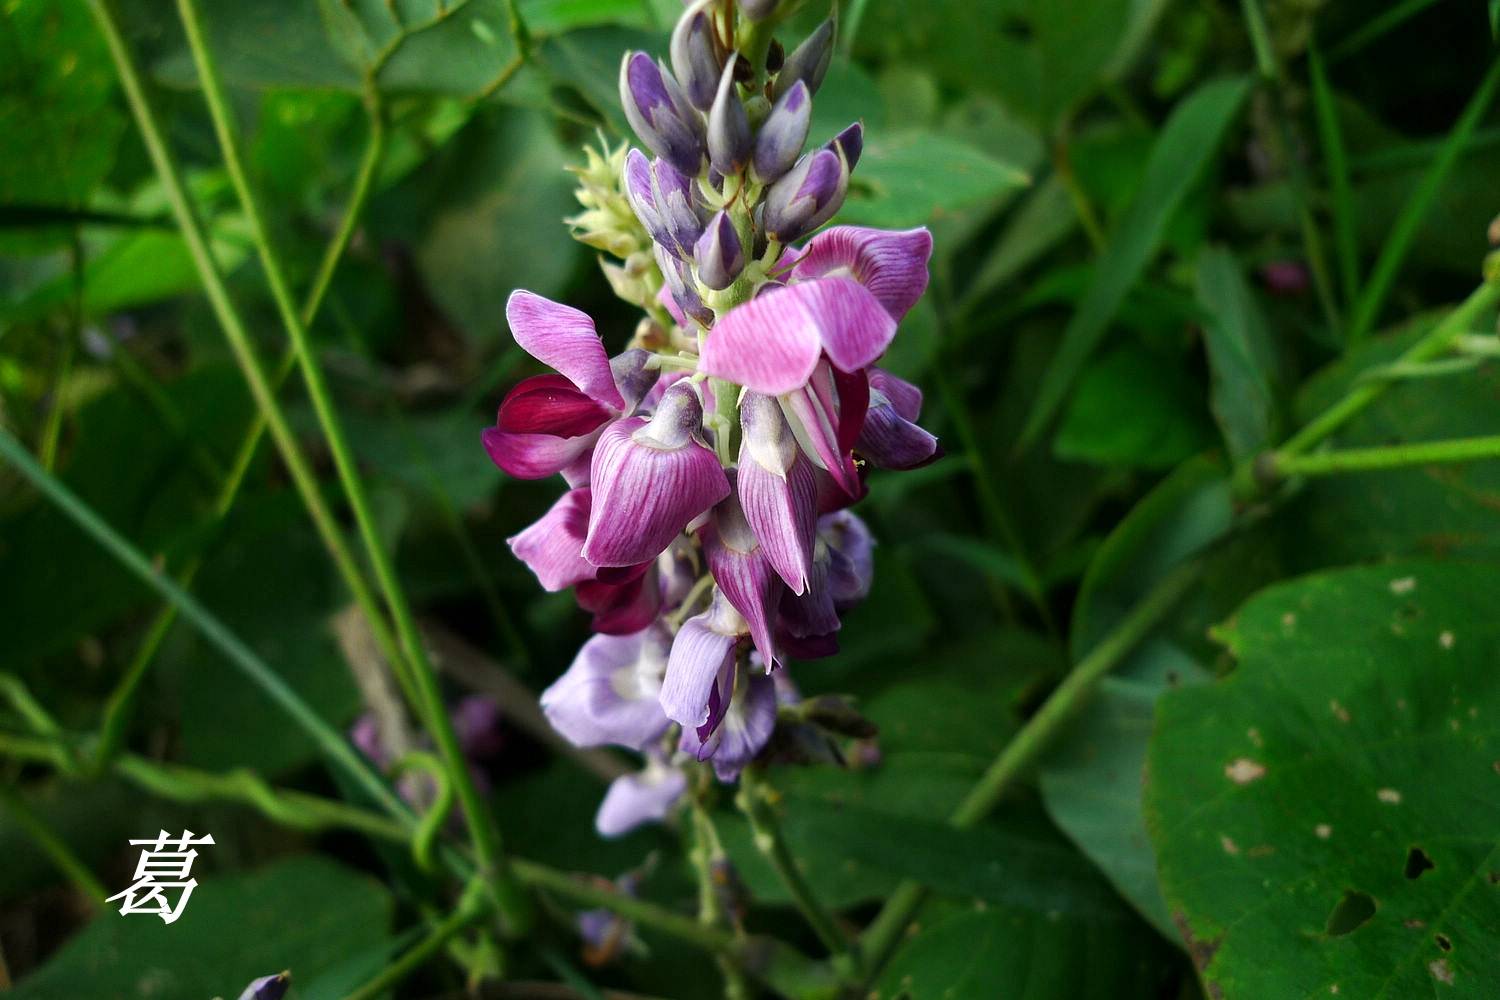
(806, 197)
(728, 126)
(660, 114)
(851, 142)
(1285, 277)
(759, 10)
(784, 133)
(695, 58)
(477, 723)
(719, 253)
(268, 987)
(365, 735)
(809, 61)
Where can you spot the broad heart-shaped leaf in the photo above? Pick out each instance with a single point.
(1002, 952)
(305, 914)
(1327, 817)
(1180, 155)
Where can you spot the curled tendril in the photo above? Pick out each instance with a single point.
(424, 838)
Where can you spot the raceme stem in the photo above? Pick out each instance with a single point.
(486, 835)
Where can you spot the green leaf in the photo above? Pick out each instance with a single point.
(1091, 781)
(1133, 407)
(273, 43)
(913, 178)
(466, 53)
(305, 914)
(1325, 816)
(1039, 223)
(1179, 157)
(59, 127)
(1004, 952)
(1241, 355)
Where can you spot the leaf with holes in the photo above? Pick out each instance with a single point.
(1327, 818)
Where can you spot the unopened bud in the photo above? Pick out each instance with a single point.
(759, 10)
(783, 133)
(851, 142)
(719, 254)
(808, 61)
(660, 114)
(695, 55)
(728, 126)
(268, 987)
(808, 196)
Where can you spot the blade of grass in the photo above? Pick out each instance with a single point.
(509, 898)
(1386, 21)
(1331, 138)
(52, 845)
(1178, 158)
(1398, 242)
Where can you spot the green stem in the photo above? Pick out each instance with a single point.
(118, 709)
(56, 850)
(1394, 456)
(235, 331)
(469, 910)
(1023, 750)
(1415, 211)
(482, 827)
(1442, 337)
(703, 853)
(754, 800)
(218, 635)
(1331, 137)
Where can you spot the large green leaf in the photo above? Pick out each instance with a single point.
(1326, 818)
(305, 914)
(994, 952)
(916, 177)
(1179, 156)
(1133, 407)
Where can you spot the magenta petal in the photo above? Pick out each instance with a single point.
(553, 546)
(905, 397)
(782, 511)
(637, 799)
(702, 650)
(892, 265)
(812, 414)
(550, 404)
(854, 327)
(564, 338)
(744, 575)
(534, 456)
(769, 344)
(645, 494)
(624, 607)
(853, 392)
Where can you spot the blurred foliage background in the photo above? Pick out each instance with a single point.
(1168, 232)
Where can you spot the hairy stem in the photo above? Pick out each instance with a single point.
(1023, 750)
(511, 901)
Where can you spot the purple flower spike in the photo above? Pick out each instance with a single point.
(808, 61)
(636, 799)
(807, 196)
(783, 134)
(553, 547)
(772, 343)
(728, 126)
(851, 558)
(268, 987)
(892, 266)
(650, 478)
(660, 114)
(744, 730)
(695, 57)
(743, 573)
(890, 437)
(719, 254)
(777, 490)
(609, 694)
(851, 142)
(703, 650)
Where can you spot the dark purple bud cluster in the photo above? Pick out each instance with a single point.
(728, 133)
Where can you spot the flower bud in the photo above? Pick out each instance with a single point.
(268, 987)
(808, 196)
(719, 253)
(809, 61)
(678, 285)
(728, 126)
(660, 114)
(759, 10)
(851, 142)
(783, 133)
(695, 57)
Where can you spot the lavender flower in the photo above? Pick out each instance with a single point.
(709, 467)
